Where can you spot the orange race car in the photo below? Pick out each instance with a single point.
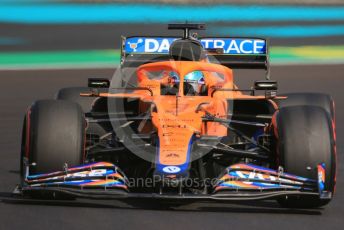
(172, 125)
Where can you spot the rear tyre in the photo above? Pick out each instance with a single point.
(305, 138)
(54, 133)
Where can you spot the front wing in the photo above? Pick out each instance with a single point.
(104, 180)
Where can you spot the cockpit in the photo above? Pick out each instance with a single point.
(183, 78)
(194, 84)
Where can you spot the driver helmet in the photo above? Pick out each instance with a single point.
(196, 80)
(173, 77)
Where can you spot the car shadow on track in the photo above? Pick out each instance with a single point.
(269, 207)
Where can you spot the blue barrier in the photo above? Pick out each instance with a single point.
(282, 31)
(151, 13)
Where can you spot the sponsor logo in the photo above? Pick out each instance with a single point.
(173, 126)
(134, 45)
(229, 45)
(157, 45)
(254, 175)
(236, 46)
(172, 155)
(148, 45)
(171, 169)
(168, 134)
(93, 173)
(263, 177)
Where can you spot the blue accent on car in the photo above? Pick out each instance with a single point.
(321, 183)
(231, 46)
(183, 167)
(148, 44)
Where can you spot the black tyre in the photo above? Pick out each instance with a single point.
(54, 133)
(324, 101)
(86, 103)
(305, 138)
(73, 94)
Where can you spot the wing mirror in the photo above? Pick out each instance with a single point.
(265, 85)
(98, 83)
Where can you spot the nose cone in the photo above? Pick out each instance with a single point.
(170, 181)
(173, 156)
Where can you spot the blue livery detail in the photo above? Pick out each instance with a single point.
(174, 169)
(230, 46)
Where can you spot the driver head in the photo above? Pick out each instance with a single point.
(193, 83)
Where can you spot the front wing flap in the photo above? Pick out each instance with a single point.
(101, 175)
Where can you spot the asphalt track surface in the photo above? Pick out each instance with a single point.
(19, 88)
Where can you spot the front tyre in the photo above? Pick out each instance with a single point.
(305, 137)
(73, 94)
(324, 101)
(53, 135)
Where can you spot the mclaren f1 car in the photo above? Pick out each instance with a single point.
(172, 125)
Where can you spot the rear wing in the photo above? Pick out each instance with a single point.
(233, 52)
